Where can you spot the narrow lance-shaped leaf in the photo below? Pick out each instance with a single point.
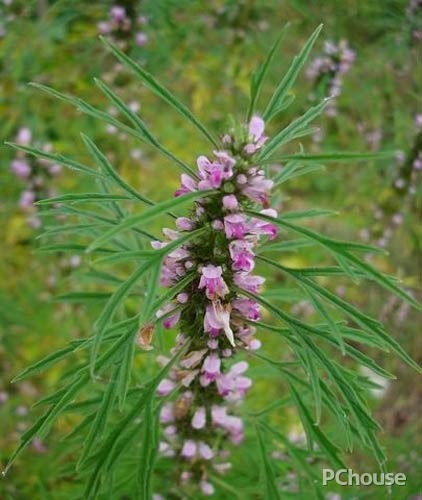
(290, 77)
(82, 198)
(146, 216)
(288, 133)
(56, 158)
(336, 157)
(268, 476)
(106, 167)
(90, 110)
(158, 89)
(141, 127)
(260, 73)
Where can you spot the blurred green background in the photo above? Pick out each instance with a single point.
(205, 52)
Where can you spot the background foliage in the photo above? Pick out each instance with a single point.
(205, 51)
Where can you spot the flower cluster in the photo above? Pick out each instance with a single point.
(35, 173)
(122, 24)
(327, 72)
(216, 311)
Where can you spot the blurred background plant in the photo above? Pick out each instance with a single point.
(206, 51)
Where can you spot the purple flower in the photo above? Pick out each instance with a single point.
(165, 387)
(205, 451)
(263, 227)
(235, 226)
(189, 449)
(247, 308)
(242, 255)
(27, 199)
(248, 282)
(171, 320)
(217, 317)
(230, 202)
(188, 185)
(199, 418)
(118, 13)
(141, 39)
(256, 135)
(184, 224)
(207, 488)
(211, 366)
(212, 281)
(21, 168)
(258, 189)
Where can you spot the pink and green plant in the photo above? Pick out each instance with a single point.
(203, 280)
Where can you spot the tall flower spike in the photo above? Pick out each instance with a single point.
(224, 256)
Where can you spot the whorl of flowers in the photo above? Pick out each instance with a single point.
(122, 25)
(212, 312)
(327, 71)
(35, 173)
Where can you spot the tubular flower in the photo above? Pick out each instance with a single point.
(214, 311)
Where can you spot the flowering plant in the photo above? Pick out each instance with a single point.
(202, 279)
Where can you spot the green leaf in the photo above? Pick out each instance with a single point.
(113, 303)
(301, 463)
(90, 110)
(149, 450)
(269, 479)
(158, 89)
(56, 158)
(146, 216)
(260, 73)
(303, 214)
(289, 132)
(101, 415)
(44, 363)
(285, 246)
(293, 170)
(325, 444)
(123, 374)
(290, 77)
(107, 168)
(83, 197)
(337, 156)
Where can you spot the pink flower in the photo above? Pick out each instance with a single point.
(242, 255)
(188, 185)
(165, 387)
(248, 282)
(184, 224)
(230, 202)
(259, 226)
(256, 135)
(118, 13)
(247, 308)
(21, 168)
(205, 451)
(207, 488)
(171, 320)
(189, 449)
(192, 359)
(166, 413)
(27, 199)
(199, 418)
(212, 281)
(258, 189)
(141, 39)
(235, 226)
(211, 367)
(24, 136)
(217, 317)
